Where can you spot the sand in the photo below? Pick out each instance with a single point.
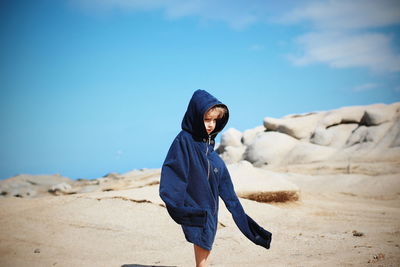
(130, 228)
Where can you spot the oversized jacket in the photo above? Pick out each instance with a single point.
(193, 177)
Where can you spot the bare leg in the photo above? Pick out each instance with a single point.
(201, 256)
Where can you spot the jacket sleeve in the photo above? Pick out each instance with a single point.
(247, 225)
(173, 184)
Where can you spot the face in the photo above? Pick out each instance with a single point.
(210, 121)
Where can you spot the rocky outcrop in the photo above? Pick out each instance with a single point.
(231, 147)
(28, 186)
(25, 185)
(261, 185)
(350, 140)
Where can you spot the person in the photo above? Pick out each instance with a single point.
(193, 176)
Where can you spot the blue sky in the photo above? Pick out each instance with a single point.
(92, 87)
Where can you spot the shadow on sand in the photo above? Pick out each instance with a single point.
(141, 265)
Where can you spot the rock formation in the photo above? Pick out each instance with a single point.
(358, 139)
(40, 185)
(25, 185)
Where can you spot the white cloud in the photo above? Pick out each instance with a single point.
(347, 34)
(120, 4)
(365, 87)
(234, 13)
(341, 33)
(345, 15)
(343, 50)
(119, 153)
(256, 47)
(238, 14)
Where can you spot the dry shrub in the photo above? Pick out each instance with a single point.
(270, 197)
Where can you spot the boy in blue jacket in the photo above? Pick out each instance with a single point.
(193, 177)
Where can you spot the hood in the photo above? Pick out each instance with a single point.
(193, 121)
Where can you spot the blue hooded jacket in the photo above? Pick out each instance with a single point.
(193, 177)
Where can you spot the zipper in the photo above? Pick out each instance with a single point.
(208, 162)
(208, 171)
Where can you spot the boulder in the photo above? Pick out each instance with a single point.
(251, 134)
(393, 135)
(372, 134)
(378, 114)
(231, 137)
(25, 185)
(233, 154)
(359, 136)
(321, 136)
(352, 114)
(261, 185)
(340, 133)
(371, 117)
(60, 189)
(330, 118)
(231, 148)
(304, 152)
(299, 127)
(269, 148)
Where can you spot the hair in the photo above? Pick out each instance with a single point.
(220, 109)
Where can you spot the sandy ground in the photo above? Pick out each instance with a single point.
(130, 228)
